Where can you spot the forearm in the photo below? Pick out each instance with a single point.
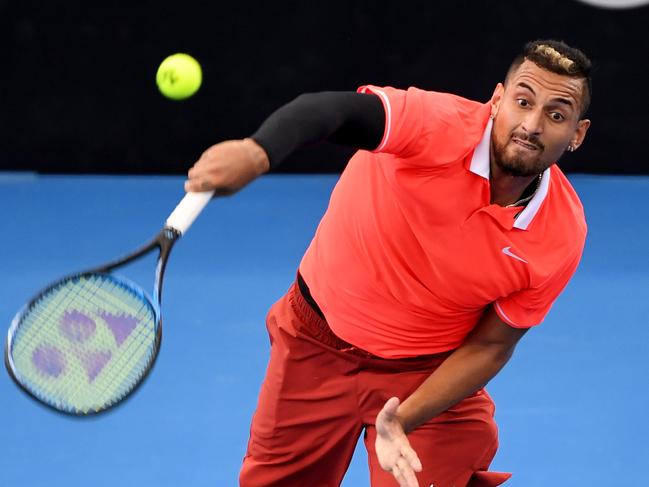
(353, 119)
(464, 372)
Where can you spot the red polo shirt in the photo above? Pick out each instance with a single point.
(410, 251)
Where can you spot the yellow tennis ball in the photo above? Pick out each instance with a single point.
(179, 76)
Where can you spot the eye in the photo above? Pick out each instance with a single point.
(522, 102)
(557, 117)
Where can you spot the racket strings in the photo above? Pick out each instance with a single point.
(89, 359)
(85, 343)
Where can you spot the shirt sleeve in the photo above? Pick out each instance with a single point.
(528, 307)
(427, 127)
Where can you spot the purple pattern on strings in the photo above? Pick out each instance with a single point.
(48, 360)
(94, 362)
(121, 325)
(77, 326)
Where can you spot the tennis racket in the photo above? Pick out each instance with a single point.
(86, 342)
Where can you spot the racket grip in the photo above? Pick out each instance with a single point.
(188, 209)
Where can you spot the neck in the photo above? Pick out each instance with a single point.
(507, 189)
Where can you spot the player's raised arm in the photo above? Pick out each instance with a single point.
(353, 119)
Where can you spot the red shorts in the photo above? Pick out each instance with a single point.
(321, 393)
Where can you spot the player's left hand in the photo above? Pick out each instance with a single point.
(393, 448)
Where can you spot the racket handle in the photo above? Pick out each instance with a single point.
(188, 209)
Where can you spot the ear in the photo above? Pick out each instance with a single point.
(580, 133)
(496, 99)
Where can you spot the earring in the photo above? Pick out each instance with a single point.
(571, 148)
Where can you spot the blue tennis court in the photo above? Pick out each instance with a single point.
(572, 403)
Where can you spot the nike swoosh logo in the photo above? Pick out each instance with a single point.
(506, 251)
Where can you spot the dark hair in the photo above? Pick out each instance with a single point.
(558, 57)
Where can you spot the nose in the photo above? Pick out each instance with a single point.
(533, 122)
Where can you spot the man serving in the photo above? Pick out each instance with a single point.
(449, 234)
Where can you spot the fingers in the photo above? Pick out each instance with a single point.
(393, 449)
(227, 166)
(403, 474)
(197, 185)
(411, 458)
(198, 181)
(405, 467)
(213, 172)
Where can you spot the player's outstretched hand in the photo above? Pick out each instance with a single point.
(227, 167)
(393, 448)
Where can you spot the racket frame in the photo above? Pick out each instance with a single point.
(164, 242)
(175, 226)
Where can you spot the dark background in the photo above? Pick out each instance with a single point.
(78, 93)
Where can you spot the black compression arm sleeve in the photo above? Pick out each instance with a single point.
(353, 119)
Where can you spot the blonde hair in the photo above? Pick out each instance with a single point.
(560, 58)
(555, 57)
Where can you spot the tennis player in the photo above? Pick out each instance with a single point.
(448, 236)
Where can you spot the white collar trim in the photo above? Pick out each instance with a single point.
(480, 159)
(480, 166)
(526, 216)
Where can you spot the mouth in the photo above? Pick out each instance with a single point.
(524, 144)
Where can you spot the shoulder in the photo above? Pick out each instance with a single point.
(428, 99)
(443, 127)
